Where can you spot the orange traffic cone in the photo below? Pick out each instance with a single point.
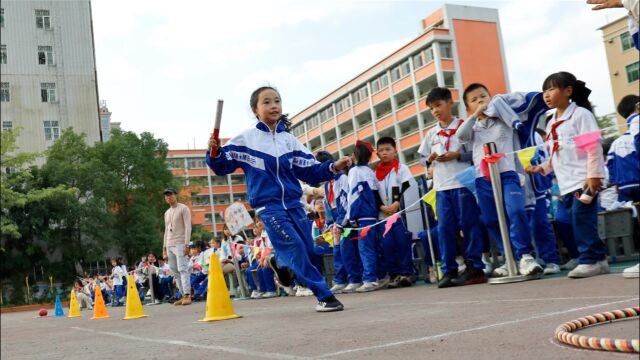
(74, 309)
(218, 301)
(99, 309)
(134, 306)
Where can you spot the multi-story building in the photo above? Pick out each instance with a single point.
(206, 194)
(48, 71)
(459, 45)
(105, 121)
(624, 65)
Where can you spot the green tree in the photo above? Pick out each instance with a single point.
(130, 175)
(606, 121)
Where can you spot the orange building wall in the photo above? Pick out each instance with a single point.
(478, 47)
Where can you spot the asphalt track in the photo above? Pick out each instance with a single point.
(480, 322)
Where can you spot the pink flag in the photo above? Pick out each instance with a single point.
(232, 246)
(586, 142)
(265, 252)
(390, 221)
(363, 232)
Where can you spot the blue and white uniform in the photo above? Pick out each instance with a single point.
(273, 161)
(456, 206)
(362, 210)
(623, 162)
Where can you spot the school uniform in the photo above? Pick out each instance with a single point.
(346, 255)
(542, 231)
(396, 245)
(118, 273)
(273, 162)
(362, 211)
(572, 168)
(475, 134)
(456, 206)
(623, 162)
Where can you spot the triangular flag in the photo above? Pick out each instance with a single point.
(265, 253)
(468, 179)
(390, 221)
(256, 251)
(232, 247)
(491, 159)
(430, 198)
(525, 155)
(363, 233)
(328, 237)
(345, 232)
(588, 141)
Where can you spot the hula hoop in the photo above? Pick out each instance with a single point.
(564, 332)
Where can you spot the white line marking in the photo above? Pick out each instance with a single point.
(233, 350)
(456, 332)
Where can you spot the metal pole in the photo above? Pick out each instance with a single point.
(241, 283)
(496, 186)
(213, 212)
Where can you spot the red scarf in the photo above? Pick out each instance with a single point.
(330, 194)
(553, 135)
(448, 133)
(382, 170)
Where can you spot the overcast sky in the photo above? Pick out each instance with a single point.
(163, 64)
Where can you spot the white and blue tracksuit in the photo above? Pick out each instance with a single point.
(273, 161)
(502, 134)
(346, 258)
(541, 229)
(623, 162)
(364, 202)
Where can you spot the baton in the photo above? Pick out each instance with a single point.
(216, 129)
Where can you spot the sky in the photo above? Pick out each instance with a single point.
(163, 64)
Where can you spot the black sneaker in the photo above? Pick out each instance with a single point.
(283, 277)
(405, 281)
(470, 276)
(447, 280)
(394, 282)
(330, 304)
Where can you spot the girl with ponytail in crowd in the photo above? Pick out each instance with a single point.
(579, 173)
(273, 161)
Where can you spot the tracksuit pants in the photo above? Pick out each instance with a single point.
(457, 210)
(396, 249)
(542, 232)
(290, 234)
(565, 230)
(341, 274)
(368, 247)
(513, 196)
(584, 222)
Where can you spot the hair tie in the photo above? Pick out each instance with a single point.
(365, 143)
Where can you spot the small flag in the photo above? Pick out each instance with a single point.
(468, 179)
(430, 198)
(390, 221)
(346, 232)
(491, 159)
(588, 141)
(328, 237)
(265, 253)
(363, 233)
(525, 155)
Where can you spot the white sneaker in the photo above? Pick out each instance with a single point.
(255, 294)
(604, 266)
(488, 266)
(501, 271)
(337, 288)
(303, 291)
(433, 276)
(288, 290)
(384, 282)
(368, 286)
(585, 270)
(632, 272)
(551, 268)
(569, 265)
(268, 294)
(351, 287)
(528, 265)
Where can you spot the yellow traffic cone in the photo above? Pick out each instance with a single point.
(218, 301)
(74, 309)
(99, 309)
(134, 306)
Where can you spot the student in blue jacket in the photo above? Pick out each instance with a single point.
(273, 160)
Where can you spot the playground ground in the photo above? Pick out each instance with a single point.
(480, 322)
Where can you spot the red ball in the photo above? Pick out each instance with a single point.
(43, 312)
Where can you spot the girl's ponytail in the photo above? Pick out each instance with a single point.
(580, 95)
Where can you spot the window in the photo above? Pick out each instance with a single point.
(627, 41)
(360, 94)
(1, 18)
(200, 200)
(314, 121)
(196, 163)
(406, 68)
(43, 20)
(417, 60)
(48, 92)
(51, 130)
(445, 51)
(3, 54)
(384, 80)
(45, 55)
(4, 92)
(7, 126)
(633, 72)
(428, 54)
(396, 74)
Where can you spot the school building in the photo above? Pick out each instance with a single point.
(206, 194)
(459, 45)
(622, 57)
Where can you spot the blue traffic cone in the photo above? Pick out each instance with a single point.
(59, 311)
